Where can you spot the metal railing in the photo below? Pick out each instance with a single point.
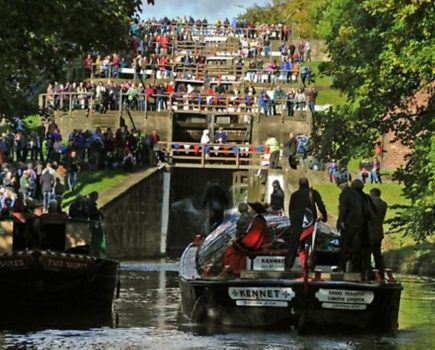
(193, 102)
(211, 29)
(227, 70)
(215, 155)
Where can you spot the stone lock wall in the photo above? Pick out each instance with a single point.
(133, 220)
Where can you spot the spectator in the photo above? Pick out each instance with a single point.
(77, 208)
(277, 198)
(72, 170)
(47, 184)
(332, 169)
(274, 150)
(375, 171)
(220, 136)
(58, 191)
(300, 101)
(290, 150)
(312, 95)
(205, 138)
(375, 226)
(364, 171)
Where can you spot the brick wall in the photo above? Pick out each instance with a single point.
(394, 155)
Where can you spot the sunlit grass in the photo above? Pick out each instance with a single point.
(99, 180)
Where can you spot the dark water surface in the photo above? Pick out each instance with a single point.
(146, 316)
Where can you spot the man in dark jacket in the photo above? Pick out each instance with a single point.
(94, 214)
(277, 197)
(303, 203)
(290, 149)
(376, 229)
(215, 202)
(352, 224)
(47, 183)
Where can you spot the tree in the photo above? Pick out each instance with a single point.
(295, 14)
(381, 56)
(37, 38)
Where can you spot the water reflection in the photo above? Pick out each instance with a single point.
(147, 317)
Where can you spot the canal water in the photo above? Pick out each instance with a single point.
(147, 316)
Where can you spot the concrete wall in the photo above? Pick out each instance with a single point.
(133, 220)
(78, 120)
(272, 125)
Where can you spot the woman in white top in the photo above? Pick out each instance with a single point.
(205, 138)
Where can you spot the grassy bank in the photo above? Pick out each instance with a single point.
(100, 181)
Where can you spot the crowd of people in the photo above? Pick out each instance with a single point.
(151, 54)
(360, 223)
(41, 165)
(107, 96)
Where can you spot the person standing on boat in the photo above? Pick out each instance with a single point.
(376, 229)
(96, 217)
(303, 207)
(251, 237)
(244, 220)
(215, 202)
(352, 224)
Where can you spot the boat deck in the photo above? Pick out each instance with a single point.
(188, 271)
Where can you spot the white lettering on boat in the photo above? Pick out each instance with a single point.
(56, 264)
(12, 263)
(261, 294)
(344, 299)
(268, 303)
(268, 263)
(342, 306)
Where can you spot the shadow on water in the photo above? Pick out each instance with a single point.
(147, 316)
(36, 319)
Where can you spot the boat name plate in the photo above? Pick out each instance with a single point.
(267, 303)
(259, 296)
(343, 306)
(15, 263)
(344, 299)
(56, 264)
(266, 263)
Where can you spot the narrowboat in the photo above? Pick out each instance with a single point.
(267, 292)
(47, 261)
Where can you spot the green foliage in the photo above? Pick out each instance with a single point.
(382, 55)
(37, 38)
(297, 14)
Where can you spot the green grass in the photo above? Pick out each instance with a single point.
(100, 181)
(323, 83)
(391, 193)
(32, 121)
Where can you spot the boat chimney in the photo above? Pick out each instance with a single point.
(377, 274)
(197, 240)
(317, 275)
(207, 270)
(390, 277)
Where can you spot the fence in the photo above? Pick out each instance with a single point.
(234, 156)
(177, 102)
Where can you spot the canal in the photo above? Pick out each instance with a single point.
(146, 316)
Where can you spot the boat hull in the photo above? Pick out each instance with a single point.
(54, 279)
(287, 302)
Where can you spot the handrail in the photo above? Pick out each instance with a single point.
(238, 72)
(262, 28)
(227, 155)
(177, 101)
